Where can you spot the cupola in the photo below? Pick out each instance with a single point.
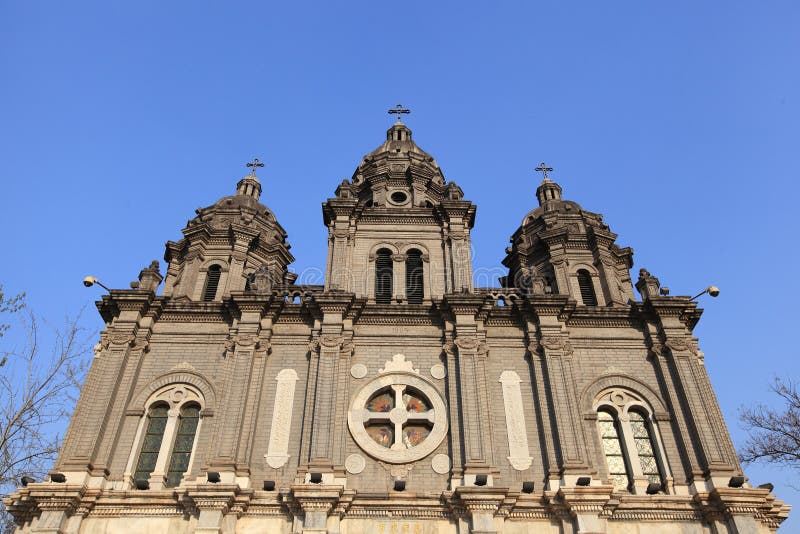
(562, 248)
(236, 244)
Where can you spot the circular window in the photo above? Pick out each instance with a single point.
(398, 197)
(398, 418)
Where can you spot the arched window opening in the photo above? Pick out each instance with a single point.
(414, 277)
(383, 276)
(587, 288)
(645, 449)
(212, 283)
(608, 426)
(154, 435)
(184, 441)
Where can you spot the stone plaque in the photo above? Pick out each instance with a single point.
(441, 464)
(398, 526)
(438, 371)
(519, 455)
(354, 464)
(359, 370)
(277, 452)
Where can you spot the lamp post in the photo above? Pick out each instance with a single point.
(711, 290)
(89, 281)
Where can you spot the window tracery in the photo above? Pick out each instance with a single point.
(167, 434)
(629, 439)
(398, 417)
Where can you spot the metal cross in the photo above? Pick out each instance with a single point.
(399, 111)
(544, 169)
(254, 165)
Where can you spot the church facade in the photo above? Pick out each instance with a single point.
(397, 398)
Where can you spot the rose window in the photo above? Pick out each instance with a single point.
(398, 418)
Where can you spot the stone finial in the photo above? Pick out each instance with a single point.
(647, 284)
(150, 277)
(454, 192)
(345, 189)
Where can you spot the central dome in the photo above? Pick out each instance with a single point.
(398, 174)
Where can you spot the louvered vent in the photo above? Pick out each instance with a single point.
(587, 289)
(212, 283)
(414, 279)
(383, 277)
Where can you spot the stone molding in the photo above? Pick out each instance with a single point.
(720, 504)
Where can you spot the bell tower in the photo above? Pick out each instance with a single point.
(560, 248)
(230, 246)
(397, 231)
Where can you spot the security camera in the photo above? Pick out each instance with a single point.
(89, 281)
(713, 291)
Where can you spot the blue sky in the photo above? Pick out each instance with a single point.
(678, 121)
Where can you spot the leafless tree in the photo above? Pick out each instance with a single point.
(774, 432)
(40, 376)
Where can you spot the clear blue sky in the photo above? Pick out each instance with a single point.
(677, 120)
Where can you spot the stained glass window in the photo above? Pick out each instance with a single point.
(382, 434)
(415, 434)
(156, 423)
(415, 403)
(612, 449)
(382, 402)
(644, 447)
(184, 440)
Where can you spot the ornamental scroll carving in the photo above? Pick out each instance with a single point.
(558, 344)
(656, 350)
(332, 341)
(471, 343)
(681, 344)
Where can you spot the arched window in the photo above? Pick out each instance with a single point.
(609, 428)
(645, 449)
(414, 277)
(154, 435)
(212, 283)
(587, 288)
(162, 452)
(383, 276)
(184, 441)
(629, 441)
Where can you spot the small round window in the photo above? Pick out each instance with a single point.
(398, 197)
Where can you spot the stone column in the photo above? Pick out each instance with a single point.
(559, 369)
(212, 501)
(92, 433)
(244, 343)
(316, 501)
(585, 505)
(56, 503)
(687, 381)
(481, 505)
(399, 277)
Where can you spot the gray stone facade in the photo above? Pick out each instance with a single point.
(398, 397)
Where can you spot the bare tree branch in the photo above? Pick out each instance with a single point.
(774, 433)
(38, 389)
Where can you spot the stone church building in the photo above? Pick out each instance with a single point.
(397, 398)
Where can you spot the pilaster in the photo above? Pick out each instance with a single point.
(245, 342)
(551, 312)
(317, 502)
(90, 439)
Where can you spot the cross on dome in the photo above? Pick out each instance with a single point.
(544, 169)
(399, 111)
(254, 165)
